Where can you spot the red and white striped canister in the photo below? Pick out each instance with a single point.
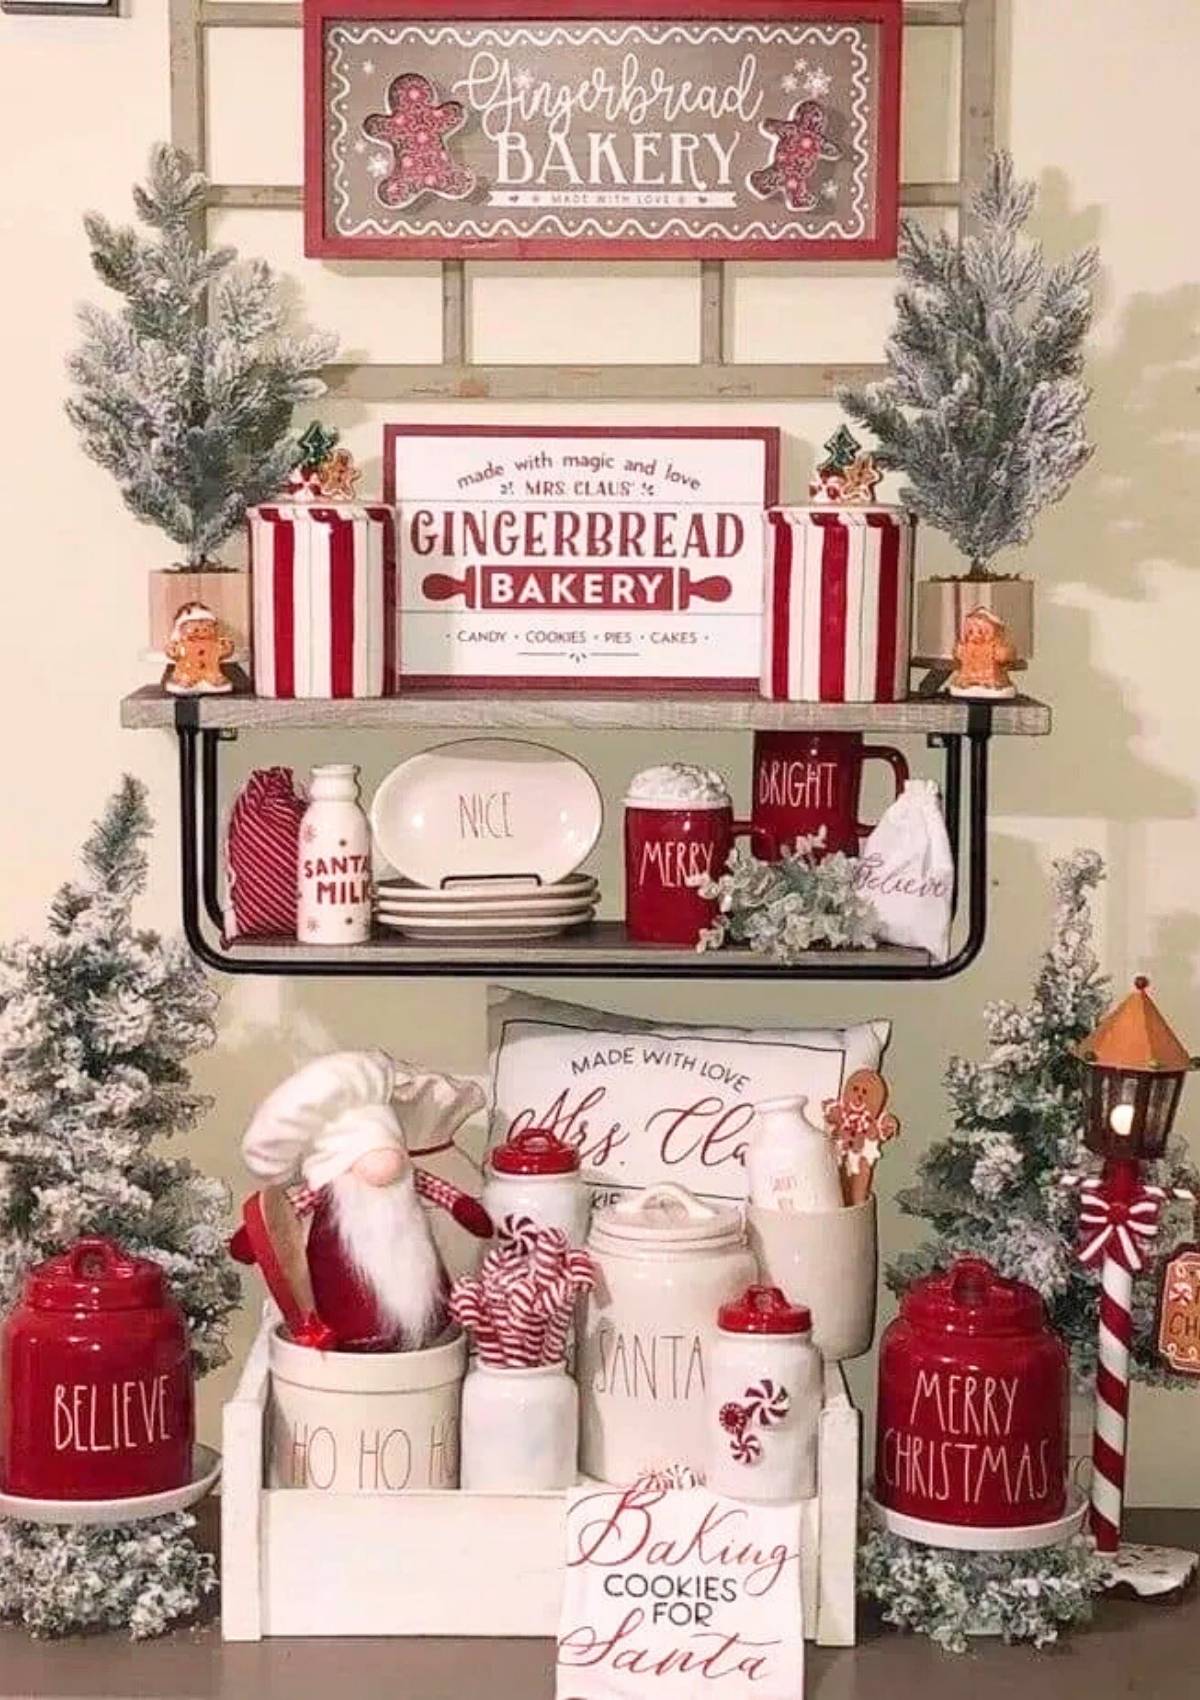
(324, 587)
(837, 616)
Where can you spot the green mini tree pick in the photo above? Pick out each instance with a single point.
(186, 393)
(983, 411)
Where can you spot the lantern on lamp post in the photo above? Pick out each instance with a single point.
(1136, 1067)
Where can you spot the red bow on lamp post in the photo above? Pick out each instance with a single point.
(1135, 1072)
(1121, 1228)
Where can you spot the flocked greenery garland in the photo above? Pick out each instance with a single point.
(950, 1596)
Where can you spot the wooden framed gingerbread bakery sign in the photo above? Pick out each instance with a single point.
(602, 129)
(611, 557)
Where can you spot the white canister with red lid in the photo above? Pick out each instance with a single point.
(764, 1399)
(666, 1263)
(534, 1176)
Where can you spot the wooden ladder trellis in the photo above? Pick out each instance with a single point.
(457, 378)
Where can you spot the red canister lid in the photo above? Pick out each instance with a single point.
(973, 1298)
(764, 1310)
(534, 1151)
(95, 1274)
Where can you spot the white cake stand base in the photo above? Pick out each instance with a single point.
(960, 1537)
(206, 1467)
(1150, 1572)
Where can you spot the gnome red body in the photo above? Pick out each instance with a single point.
(367, 1276)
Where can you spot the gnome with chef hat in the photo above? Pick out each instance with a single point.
(333, 1144)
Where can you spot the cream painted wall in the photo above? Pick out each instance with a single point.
(80, 102)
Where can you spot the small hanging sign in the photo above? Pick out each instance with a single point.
(1179, 1311)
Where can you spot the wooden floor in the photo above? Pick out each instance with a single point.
(1132, 1651)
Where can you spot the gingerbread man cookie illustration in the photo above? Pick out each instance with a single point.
(861, 1124)
(415, 127)
(801, 143)
(196, 650)
(983, 653)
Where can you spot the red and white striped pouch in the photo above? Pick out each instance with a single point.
(324, 586)
(261, 852)
(837, 613)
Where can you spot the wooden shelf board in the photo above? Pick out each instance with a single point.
(475, 711)
(602, 942)
(267, 14)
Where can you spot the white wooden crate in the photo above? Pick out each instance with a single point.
(295, 1561)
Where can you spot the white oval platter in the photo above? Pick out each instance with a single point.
(484, 926)
(206, 1467)
(485, 807)
(466, 898)
(564, 906)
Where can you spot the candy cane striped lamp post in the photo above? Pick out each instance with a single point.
(1135, 1068)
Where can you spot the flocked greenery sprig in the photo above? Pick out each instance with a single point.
(186, 394)
(782, 909)
(949, 1596)
(983, 411)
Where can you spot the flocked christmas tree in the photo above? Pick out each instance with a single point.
(983, 411)
(97, 1022)
(992, 1187)
(186, 394)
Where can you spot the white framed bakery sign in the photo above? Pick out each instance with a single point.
(615, 129)
(599, 557)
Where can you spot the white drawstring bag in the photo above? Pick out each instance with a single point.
(907, 871)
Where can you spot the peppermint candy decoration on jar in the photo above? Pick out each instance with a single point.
(766, 1381)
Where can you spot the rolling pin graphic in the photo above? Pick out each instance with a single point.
(576, 589)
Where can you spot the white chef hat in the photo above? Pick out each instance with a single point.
(325, 1117)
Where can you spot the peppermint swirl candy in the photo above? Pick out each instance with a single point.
(767, 1403)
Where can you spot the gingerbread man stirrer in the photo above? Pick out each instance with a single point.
(860, 1125)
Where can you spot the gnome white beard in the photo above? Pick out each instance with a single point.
(387, 1240)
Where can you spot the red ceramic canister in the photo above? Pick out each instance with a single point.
(97, 1396)
(972, 1415)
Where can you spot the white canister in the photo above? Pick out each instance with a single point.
(334, 867)
(520, 1429)
(765, 1399)
(365, 1422)
(667, 1262)
(534, 1177)
(790, 1162)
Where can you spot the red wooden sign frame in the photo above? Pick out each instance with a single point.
(395, 434)
(319, 242)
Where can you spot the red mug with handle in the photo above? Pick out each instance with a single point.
(671, 840)
(808, 781)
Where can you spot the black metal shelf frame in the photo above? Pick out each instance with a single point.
(200, 817)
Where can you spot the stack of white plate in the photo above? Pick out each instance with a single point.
(487, 835)
(494, 908)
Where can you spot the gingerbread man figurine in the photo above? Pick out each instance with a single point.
(984, 653)
(861, 1124)
(415, 127)
(196, 651)
(801, 143)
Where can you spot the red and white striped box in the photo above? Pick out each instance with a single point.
(324, 589)
(837, 611)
